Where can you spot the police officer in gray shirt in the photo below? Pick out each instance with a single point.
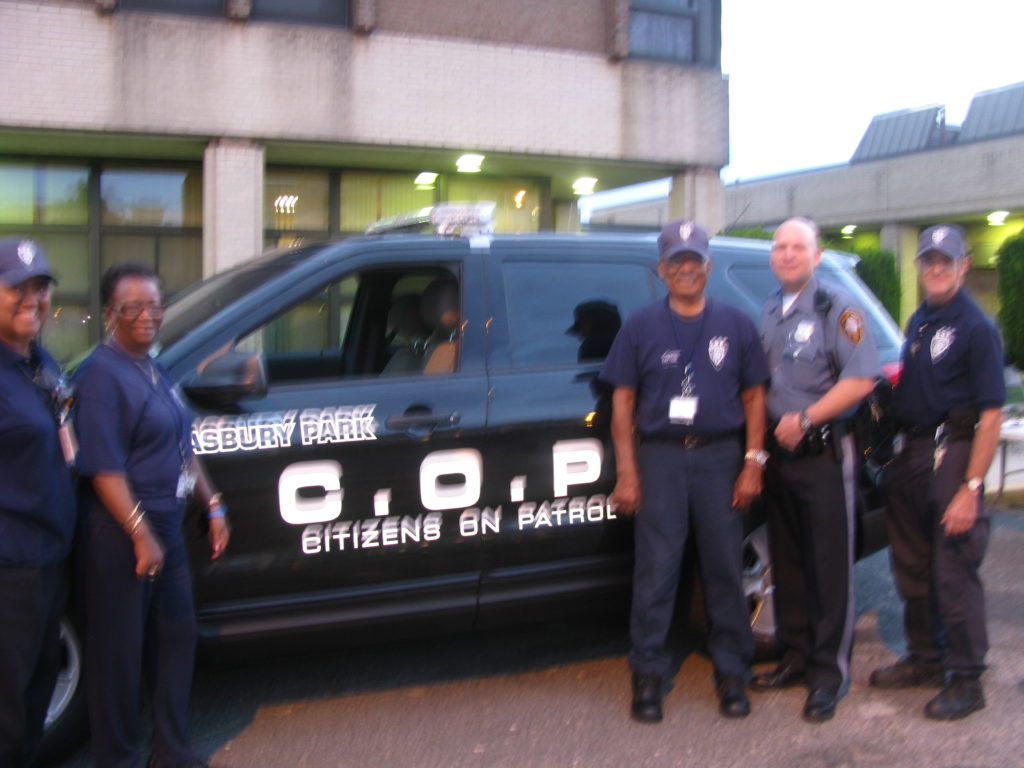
(823, 363)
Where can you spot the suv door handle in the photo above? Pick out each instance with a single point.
(419, 420)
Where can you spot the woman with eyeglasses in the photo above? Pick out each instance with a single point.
(37, 514)
(138, 470)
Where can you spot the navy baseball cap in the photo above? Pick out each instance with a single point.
(683, 236)
(21, 260)
(947, 239)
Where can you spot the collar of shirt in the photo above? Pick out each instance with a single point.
(803, 304)
(948, 311)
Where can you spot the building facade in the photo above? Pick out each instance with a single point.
(192, 134)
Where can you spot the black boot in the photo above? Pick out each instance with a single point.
(732, 696)
(961, 696)
(646, 698)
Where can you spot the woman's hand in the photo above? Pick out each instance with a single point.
(149, 553)
(220, 533)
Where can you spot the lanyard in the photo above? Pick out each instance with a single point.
(687, 382)
(151, 375)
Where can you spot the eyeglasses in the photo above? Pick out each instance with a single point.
(675, 263)
(34, 287)
(133, 309)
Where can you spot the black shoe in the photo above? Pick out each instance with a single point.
(820, 706)
(960, 697)
(732, 696)
(783, 676)
(909, 672)
(646, 698)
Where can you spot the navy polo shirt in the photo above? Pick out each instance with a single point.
(131, 421)
(805, 344)
(952, 358)
(37, 513)
(652, 350)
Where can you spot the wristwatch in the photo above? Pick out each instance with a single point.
(760, 457)
(806, 425)
(974, 484)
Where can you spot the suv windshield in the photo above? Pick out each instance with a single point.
(196, 304)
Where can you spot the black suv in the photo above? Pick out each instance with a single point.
(409, 432)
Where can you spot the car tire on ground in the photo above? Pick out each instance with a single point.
(65, 726)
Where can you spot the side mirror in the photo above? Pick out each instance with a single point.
(228, 378)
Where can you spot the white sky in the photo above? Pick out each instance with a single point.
(807, 76)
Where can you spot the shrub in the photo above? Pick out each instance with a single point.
(1011, 289)
(877, 268)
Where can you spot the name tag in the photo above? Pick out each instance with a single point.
(186, 482)
(68, 443)
(682, 410)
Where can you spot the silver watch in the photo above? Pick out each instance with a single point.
(760, 457)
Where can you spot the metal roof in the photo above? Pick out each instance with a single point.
(995, 113)
(897, 133)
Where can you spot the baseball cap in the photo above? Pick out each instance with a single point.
(947, 239)
(21, 260)
(683, 237)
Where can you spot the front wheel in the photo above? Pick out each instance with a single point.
(758, 589)
(64, 729)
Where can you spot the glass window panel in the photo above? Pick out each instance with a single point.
(152, 197)
(66, 333)
(69, 260)
(295, 199)
(179, 262)
(327, 11)
(518, 200)
(661, 35)
(43, 194)
(590, 309)
(205, 7)
(368, 196)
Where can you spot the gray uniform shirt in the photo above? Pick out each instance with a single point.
(803, 347)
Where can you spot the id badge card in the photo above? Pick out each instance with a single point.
(682, 409)
(68, 442)
(186, 482)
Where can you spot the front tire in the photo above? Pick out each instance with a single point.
(65, 726)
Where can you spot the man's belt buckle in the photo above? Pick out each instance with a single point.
(691, 441)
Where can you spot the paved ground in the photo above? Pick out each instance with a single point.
(558, 696)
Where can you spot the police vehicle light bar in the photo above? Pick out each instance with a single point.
(449, 219)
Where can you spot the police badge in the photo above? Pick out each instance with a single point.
(941, 342)
(718, 348)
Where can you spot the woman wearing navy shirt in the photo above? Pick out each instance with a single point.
(37, 515)
(136, 459)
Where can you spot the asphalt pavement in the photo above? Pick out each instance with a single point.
(558, 695)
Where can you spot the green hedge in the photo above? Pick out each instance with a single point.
(1011, 297)
(877, 268)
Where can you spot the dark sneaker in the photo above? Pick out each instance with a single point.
(646, 698)
(960, 697)
(909, 672)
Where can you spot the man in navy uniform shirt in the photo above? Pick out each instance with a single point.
(948, 403)
(823, 363)
(688, 403)
(37, 516)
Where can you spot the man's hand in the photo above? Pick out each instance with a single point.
(961, 513)
(748, 485)
(787, 432)
(627, 494)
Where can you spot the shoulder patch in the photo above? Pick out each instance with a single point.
(852, 326)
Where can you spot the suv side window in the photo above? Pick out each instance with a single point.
(563, 314)
(388, 322)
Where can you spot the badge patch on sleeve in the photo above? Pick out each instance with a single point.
(852, 326)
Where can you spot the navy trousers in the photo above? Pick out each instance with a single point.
(132, 624)
(937, 575)
(31, 604)
(689, 489)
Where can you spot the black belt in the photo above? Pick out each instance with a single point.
(694, 441)
(943, 431)
(920, 430)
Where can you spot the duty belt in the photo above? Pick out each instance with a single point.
(814, 443)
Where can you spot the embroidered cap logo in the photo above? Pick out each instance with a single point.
(27, 252)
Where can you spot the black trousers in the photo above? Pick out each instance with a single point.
(683, 490)
(132, 624)
(31, 604)
(811, 538)
(937, 575)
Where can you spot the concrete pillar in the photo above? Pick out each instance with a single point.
(901, 239)
(232, 203)
(698, 194)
